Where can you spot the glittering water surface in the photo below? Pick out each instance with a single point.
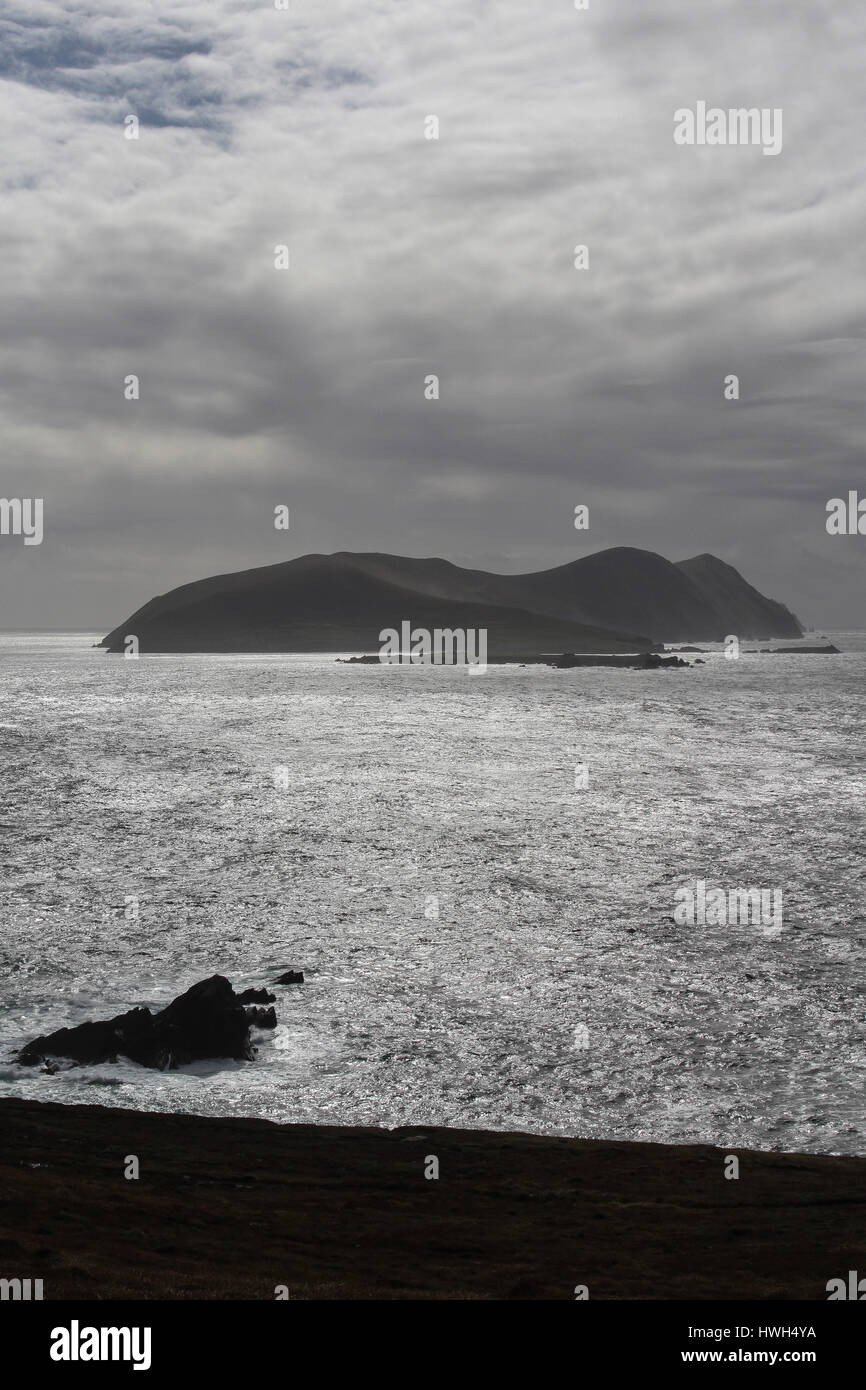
(553, 992)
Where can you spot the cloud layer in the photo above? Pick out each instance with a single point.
(409, 256)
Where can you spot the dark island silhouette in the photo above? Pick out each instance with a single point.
(620, 600)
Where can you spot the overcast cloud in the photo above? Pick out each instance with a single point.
(410, 256)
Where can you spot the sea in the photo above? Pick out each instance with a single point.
(478, 875)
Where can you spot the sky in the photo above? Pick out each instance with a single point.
(262, 387)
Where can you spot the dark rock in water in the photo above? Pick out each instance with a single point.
(291, 977)
(206, 1021)
(699, 661)
(130, 1033)
(653, 661)
(805, 651)
(256, 996)
(261, 1018)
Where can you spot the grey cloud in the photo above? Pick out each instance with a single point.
(408, 257)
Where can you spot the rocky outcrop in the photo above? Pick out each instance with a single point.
(828, 650)
(261, 1018)
(653, 661)
(209, 1020)
(256, 996)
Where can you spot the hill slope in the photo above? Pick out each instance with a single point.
(622, 588)
(736, 602)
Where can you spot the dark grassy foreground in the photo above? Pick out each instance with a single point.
(230, 1208)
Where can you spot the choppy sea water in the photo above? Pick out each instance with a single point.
(484, 943)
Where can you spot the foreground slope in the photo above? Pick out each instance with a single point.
(233, 1208)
